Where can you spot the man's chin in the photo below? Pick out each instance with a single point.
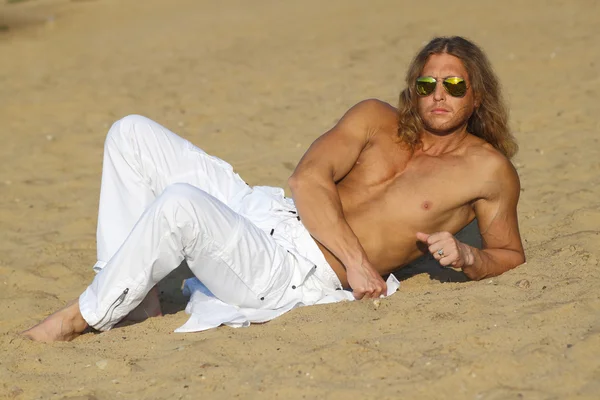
(440, 131)
(443, 129)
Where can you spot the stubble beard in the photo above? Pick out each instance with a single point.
(457, 123)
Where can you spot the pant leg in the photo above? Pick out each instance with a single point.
(239, 263)
(141, 158)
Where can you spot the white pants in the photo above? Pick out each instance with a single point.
(163, 201)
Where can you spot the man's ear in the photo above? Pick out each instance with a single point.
(477, 101)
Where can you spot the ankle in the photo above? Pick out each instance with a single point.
(74, 318)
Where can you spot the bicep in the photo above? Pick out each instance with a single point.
(335, 152)
(497, 211)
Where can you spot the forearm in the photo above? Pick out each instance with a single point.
(485, 263)
(320, 208)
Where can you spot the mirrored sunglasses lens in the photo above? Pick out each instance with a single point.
(457, 87)
(425, 86)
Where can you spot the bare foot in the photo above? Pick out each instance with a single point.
(64, 325)
(149, 307)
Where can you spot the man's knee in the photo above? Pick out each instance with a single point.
(187, 203)
(180, 190)
(125, 128)
(184, 196)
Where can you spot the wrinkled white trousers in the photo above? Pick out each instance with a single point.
(163, 201)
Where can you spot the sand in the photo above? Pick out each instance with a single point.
(255, 83)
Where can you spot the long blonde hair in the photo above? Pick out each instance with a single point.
(489, 121)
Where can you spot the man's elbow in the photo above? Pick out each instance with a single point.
(309, 182)
(522, 259)
(295, 181)
(304, 179)
(499, 267)
(517, 259)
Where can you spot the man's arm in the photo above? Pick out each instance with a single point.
(499, 226)
(313, 186)
(496, 213)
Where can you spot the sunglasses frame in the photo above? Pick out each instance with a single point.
(443, 80)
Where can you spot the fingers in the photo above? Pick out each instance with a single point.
(443, 246)
(362, 295)
(365, 281)
(449, 260)
(376, 292)
(439, 244)
(439, 237)
(358, 295)
(422, 237)
(367, 295)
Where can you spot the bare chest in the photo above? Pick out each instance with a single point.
(388, 184)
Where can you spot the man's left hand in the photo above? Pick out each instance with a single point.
(447, 249)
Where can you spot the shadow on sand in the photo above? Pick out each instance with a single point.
(171, 296)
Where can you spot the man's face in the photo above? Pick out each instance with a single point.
(441, 113)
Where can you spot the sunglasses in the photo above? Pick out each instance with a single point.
(455, 86)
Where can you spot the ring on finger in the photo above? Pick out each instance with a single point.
(440, 252)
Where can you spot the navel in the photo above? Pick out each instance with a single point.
(426, 205)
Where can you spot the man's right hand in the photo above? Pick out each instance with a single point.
(365, 281)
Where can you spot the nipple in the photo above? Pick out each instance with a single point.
(426, 205)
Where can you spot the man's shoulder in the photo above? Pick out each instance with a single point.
(374, 110)
(371, 117)
(484, 153)
(491, 166)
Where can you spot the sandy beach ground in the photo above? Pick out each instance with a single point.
(255, 82)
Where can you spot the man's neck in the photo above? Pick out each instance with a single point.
(434, 144)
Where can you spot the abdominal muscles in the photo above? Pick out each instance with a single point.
(386, 223)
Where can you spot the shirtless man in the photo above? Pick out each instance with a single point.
(374, 192)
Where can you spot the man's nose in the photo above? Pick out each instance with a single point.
(439, 93)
